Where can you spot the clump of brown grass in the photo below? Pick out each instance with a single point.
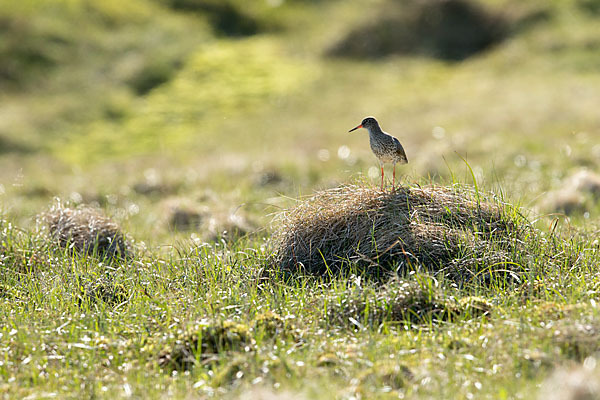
(86, 230)
(577, 339)
(578, 193)
(183, 214)
(389, 374)
(572, 383)
(449, 229)
(446, 29)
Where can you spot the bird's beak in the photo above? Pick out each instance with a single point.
(353, 129)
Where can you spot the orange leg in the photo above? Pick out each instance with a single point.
(382, 177)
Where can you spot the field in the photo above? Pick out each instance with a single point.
(164, 162)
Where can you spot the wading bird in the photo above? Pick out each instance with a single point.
(385, 147)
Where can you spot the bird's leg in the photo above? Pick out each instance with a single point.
(381, 177)
(394, 179)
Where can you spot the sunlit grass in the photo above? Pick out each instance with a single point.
(56, 324)
(224, 80)
(146, 107)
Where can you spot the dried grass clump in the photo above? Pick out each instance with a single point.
(87, 231)
(183, 214)
(205, 342)
(579, 193)
(577, 339)
(439, 228)
(389, 374)
(445, 29)
(230, 227)
(574, 383)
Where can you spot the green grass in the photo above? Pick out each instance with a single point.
(61, 337)
(136, 107)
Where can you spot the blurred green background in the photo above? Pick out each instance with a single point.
(185, 118)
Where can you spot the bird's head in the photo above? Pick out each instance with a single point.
(367, 123)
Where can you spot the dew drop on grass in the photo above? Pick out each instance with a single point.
(373, 172)
(127, 390)
(76, 197)
(133, 209)
(520, 160)
(323, 155)
(438, 133)
(343, 152)
(589, 363)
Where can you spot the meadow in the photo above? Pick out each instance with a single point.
(205, 142)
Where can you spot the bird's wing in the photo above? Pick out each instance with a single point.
(400, 151)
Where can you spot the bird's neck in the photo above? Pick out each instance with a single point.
(374, 131)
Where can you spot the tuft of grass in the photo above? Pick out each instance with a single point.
(270, 324)
(406, 302)
(86, 230)
(390, 375)
(225, 16)
(103, 289)
(573, 382)
(438, 228)
(204, 342)
(450, 30)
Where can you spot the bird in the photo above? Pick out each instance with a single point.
(386, 147)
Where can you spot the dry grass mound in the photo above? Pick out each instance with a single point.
(226, 17)
(86, 231)
(441, 229)
(445, 29)
(579, 193)
(573, 383)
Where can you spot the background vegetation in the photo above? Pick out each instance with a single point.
(190, 122)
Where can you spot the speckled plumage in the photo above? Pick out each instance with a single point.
(386, 147)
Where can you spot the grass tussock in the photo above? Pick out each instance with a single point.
(204, 343)
(573, 383)
(577, 339)
(103, 289)
(86, 231)
(579, 193)
(446, 29)
(443, 229)
(226, 17)
(417, 301)
(389, 374)
(269, 324)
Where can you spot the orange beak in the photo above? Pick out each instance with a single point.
(353, 129)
